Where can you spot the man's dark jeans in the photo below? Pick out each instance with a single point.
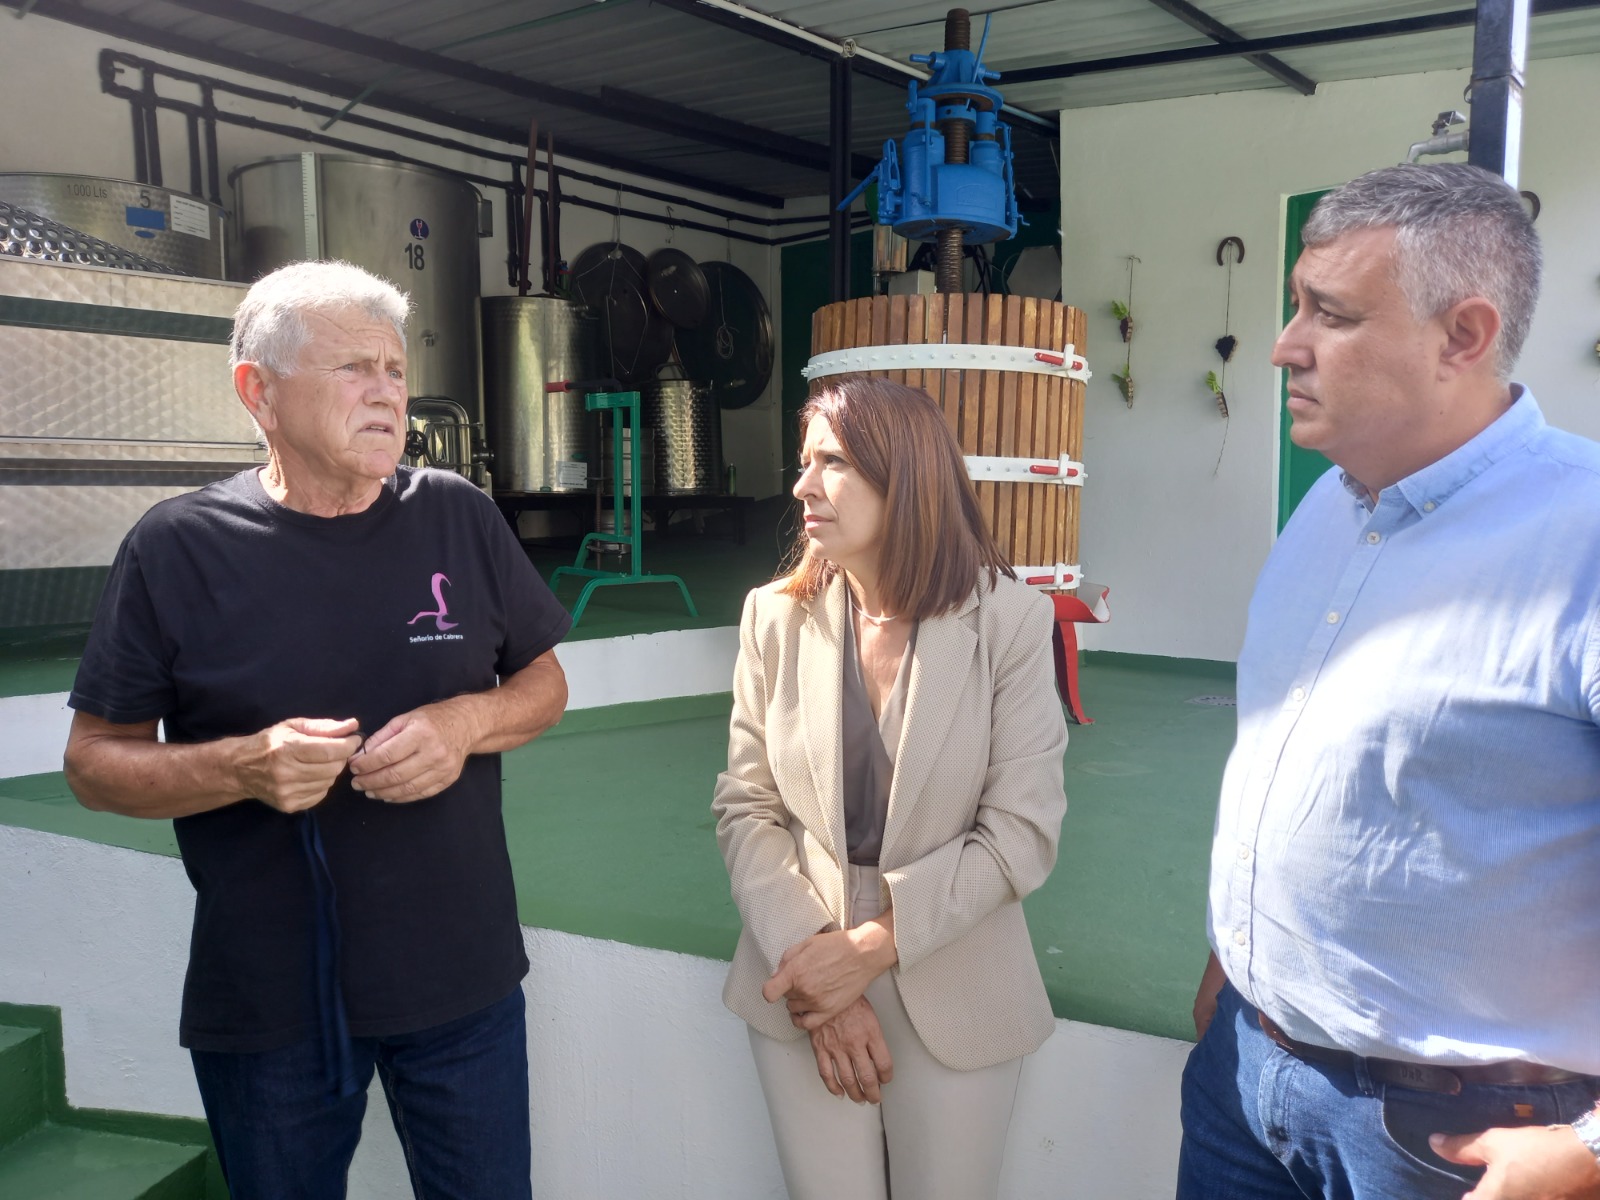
(1260, 1124)
(458, 1094)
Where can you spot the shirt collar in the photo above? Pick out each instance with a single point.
(1427, 489)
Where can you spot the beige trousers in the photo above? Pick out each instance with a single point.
(939, 1134)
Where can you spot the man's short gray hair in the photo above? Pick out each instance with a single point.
(1460, 231)
(269, 326)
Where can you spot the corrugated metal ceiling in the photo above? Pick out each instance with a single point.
(652, 48)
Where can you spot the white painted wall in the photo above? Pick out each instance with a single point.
(599, 672)
(48, 71)
(642, 1082)
(1177, 537)
(602, 671)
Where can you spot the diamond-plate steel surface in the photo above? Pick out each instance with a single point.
(132, 451)
(123, 289)
(688, 425)
(144, 219)
(64, 596)
(93, 396)
(70, 526)
(87, 385)
(29, 235)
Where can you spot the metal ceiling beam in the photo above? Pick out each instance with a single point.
(114, 26)
(839, 112)
(1370, 31)
(776, 36)
(333, 37)
(679, 121)
(1214, 29)
(719, 131)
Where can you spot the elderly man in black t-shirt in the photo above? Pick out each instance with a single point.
(339, 648)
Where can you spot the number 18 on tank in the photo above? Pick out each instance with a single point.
(416, 252)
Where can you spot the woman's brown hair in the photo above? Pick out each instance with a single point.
(936, 547)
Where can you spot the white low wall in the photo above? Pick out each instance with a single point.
(642, 1084)
(33, 733)
(624, 670)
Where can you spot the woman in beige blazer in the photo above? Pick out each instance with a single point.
(893, 791)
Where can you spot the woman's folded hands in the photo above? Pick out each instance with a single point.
(852, 1057)
(825, 973)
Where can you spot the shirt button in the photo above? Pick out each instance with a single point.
(1333, 618)
(1298, 694)
(1374, 538)
(1244, 853)
(1239, 937)
(1429, 506)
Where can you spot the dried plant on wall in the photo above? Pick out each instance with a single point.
(1215, 385)
(1122, 310)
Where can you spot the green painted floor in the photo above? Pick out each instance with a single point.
(1118, 928)
(62, 1162)
(717, 570)
(50, 1150)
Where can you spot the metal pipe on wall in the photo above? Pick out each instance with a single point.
(1499, 60)
(152, 134)
(111, 61)
(839, 79)
(144, 118)
(208, 105)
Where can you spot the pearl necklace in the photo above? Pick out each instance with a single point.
(865, 616)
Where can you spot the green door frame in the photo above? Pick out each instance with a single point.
(1298, 468)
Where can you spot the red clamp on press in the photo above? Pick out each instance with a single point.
(1089, 605)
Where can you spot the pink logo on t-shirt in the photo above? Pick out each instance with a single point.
(443, 611)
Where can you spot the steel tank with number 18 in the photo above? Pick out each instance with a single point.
(414, 226)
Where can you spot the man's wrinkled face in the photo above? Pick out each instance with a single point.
(1361, 368)
(343, 412)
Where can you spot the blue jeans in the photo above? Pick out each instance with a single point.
(1260, 1124)
(458, 1094)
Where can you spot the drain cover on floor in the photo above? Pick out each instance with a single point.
(1213, 701)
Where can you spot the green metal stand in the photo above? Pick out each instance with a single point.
(624, 409)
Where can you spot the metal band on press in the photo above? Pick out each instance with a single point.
(946, 356)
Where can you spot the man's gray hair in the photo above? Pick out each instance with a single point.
(1460, 231)
(269, 326)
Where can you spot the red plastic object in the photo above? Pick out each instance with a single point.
(1069, 611)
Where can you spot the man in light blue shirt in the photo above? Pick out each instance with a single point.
(1405, 880)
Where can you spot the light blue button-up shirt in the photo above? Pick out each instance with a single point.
(1407, 854)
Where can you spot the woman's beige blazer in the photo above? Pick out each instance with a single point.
(974, 812)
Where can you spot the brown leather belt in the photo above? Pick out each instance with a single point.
(1424, 1077)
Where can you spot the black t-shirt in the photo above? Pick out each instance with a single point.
(225, 613)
